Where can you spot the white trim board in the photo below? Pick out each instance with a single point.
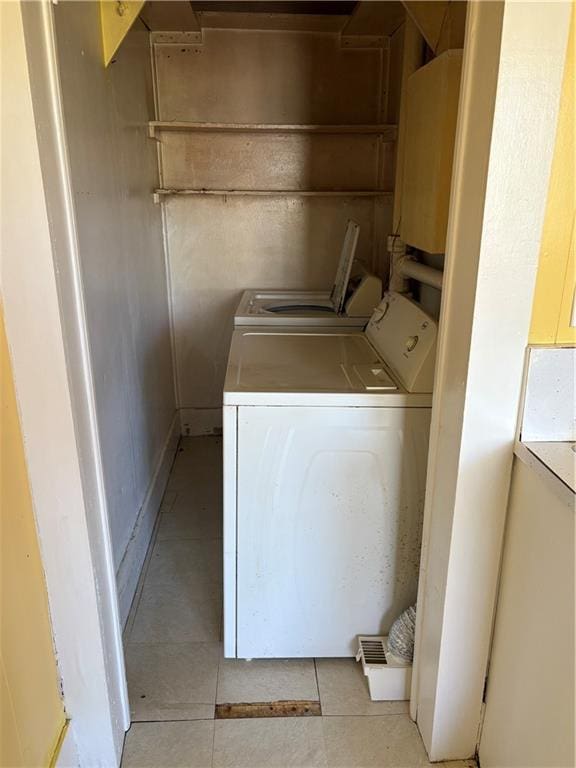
(513, 62)
(47, 337)
(131, 564)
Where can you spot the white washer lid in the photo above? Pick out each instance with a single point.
(293, 361)
(311, 367)
(338, 293)
(405, 338)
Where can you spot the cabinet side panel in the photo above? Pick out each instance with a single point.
(229, 537)
(330, 507)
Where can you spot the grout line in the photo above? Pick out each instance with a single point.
(220, 660)
(213, 741)
(126, 635)
(215, 701)
(301, 717)
(171, 505)
(179, 642)
(189, 720)
(317, 682)
(371, 714)
(187, 538)
(291, 717)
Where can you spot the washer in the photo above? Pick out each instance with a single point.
(354, 295)
(325, 448)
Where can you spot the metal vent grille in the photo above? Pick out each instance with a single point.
(372, 650)
(388, 680)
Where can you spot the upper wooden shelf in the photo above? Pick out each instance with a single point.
(387, 131)
(159, 194)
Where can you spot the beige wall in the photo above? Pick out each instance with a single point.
(219, 246)
(556, 280)
(113, 172)
(31, 711)
(530, 698)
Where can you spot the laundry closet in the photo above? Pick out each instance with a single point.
(275, 134)
(239, 146)
(228, 450)
(269, 140)
(272, 130)
(274, 127)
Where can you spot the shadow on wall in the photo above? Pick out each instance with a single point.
(220, 245)
(113, 171)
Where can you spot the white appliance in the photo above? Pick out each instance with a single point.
(354, 295)
(325, 447)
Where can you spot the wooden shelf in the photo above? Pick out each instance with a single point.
(389, 132)
(160, 193)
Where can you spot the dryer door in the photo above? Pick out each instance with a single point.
(330, 504)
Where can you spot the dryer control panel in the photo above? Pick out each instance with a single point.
(405, 338)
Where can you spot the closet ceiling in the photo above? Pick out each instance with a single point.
(346, 16)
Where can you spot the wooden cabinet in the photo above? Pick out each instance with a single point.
(431, 113)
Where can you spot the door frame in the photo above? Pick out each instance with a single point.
(513, 64)
(489, 292)
(49, 348)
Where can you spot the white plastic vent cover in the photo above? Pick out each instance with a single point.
(388, 678)
(371, 651)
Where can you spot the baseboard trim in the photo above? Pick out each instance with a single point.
(131, 564)
(66, 753)
(201, 421)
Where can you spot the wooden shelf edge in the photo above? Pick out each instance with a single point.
(160, 193)
(386, 130)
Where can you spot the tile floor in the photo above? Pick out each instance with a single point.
(177, 674)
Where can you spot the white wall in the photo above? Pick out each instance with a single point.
(513, 62)
(113, 171)
(219, 246)
(530, 714)
(46, 335)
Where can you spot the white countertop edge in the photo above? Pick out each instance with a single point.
(564, 491)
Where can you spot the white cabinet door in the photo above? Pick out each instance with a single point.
(330, 504)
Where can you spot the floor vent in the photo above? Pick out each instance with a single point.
(372, 650)
(388, 678)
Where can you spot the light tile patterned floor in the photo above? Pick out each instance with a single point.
(176, 672)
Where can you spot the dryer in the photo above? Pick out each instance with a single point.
(325, 450)
(354, 295)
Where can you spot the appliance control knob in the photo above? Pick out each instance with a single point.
(411, 342)
(379, 313)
